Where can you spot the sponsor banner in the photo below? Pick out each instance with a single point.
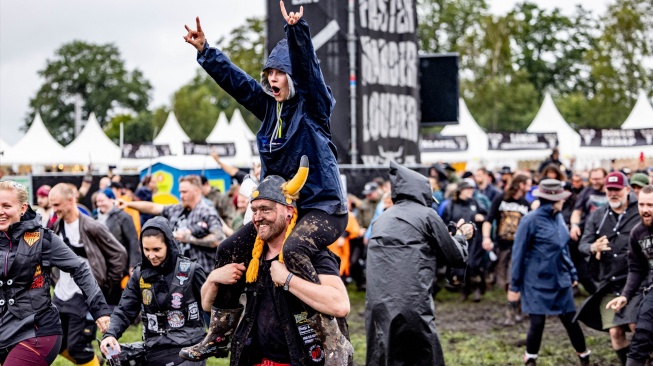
(439, 143)
(506, 141)
(387, 86)
(225, 149)
(145, 151)
(614, 137)
(327, 20)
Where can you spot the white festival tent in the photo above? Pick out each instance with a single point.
(4, 151)
(640, 117)
(93, 146)
(172, 134)
(477, 141)
(228, 132)
(547, 120)
(642, 114)
(36, 147)
(238, 123)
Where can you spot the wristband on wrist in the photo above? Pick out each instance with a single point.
(286, 285)
(575, 225)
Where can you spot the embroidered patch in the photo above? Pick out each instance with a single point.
(31, 238)
(300, 318)
(142, 284)
(176, 319)
(147, 296)
(37, 282)
(193, 312)
(176, 300)
(182, 271)
(38, 271)
(152, 323)
(316, 353)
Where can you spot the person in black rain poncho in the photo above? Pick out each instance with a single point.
(408, 241)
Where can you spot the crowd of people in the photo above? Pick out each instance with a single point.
(259, 273)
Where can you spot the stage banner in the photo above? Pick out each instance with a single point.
(612, 137)
(327, 20)
(439, 143)
(145, 151)
(388, 87)
(224, 149)
(506, 141)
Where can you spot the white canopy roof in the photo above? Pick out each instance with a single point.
(238, 123)
(476, 140)
(220, 128)
(37, 147)
(4, 150)
(92, 146)
(173, 135)
(224, 132)
(642, 114)
(549, 119)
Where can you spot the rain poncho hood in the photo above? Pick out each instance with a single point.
(408, 241)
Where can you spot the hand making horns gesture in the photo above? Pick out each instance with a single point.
(196, 37)
(291, 18)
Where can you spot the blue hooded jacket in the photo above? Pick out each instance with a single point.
(304, 128)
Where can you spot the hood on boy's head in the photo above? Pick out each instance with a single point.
(279, 59)
(161, 224)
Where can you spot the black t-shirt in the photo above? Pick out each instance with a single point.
(507, 213)
(640, 260)
(588, 200)
(268, 330)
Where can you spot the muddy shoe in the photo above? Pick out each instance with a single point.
(584, 360)
(476, 296)
(216, 342)
(338, 350)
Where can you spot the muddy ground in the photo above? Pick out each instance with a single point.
(473, 334)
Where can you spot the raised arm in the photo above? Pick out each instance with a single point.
(232, 79)
(306, 67)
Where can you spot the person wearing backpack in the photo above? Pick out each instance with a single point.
(506, 212)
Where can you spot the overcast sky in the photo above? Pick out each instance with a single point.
(148, 33)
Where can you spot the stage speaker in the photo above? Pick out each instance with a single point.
(439, 89)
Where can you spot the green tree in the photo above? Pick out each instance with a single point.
(93, 73)
(199, 103)
(137, 129)
(444, 24)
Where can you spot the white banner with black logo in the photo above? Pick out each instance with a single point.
(439, 143)
(506, 141)
(145, 151)
(226, 149)
(612, 137)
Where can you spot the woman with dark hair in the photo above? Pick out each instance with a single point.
(542, 274)
(165, 287)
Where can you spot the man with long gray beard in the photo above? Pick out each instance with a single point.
(605, 243)
(640, 271)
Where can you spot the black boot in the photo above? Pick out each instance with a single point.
(584, 360)
(622, 354)
(216, 342)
